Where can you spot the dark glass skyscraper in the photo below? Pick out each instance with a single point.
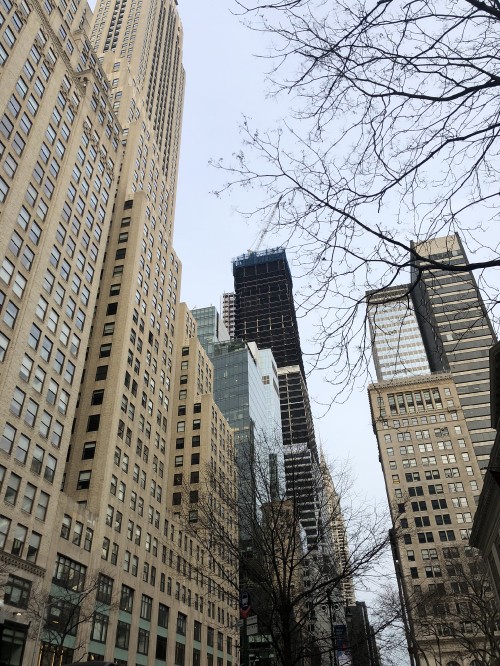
(265, 314)
(246, 391)
(264, 308)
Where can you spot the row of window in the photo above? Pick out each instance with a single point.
(446, 459)
(33, 497)
(40, 461)
(421, 420)
(76, 532)
(449, 473)
(414, 401)
(20, 539)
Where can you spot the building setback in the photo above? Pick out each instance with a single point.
(458, 334)
(428, 410)
(91, 347)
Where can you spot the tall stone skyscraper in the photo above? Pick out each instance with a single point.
(430, 415)
(99, 362)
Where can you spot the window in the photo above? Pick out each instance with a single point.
(100, 627)
(143, 641)
(104, 589)
(4, 530)
(10, 316)
(37, 460)
(4, 345)
(33, 547)
(41, 507)
(65, 527)
(181, 624)
(28, 498)
(101, 372)
(17, 591)
(163, 616)
(127, 599)
(93, 422)
(180, 650)
(122, 635)
(19, 540)
(97, 397)
(105, 350)
(69, 573)
(12, 489)
(84, 480)
(146, 607)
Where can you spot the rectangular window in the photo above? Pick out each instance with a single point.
(122, 635)
(100, 627)
(12, 489)
(127, 599)
(69, 573)
(146, 607)
(17, 591)
(104, 589)
(143, 641)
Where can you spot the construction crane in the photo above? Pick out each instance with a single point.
(267, 225)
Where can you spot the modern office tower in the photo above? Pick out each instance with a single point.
(400, 350)
(211, 328)
(455, 334)
(265, 314)
(464, 332)
(431, 431)
(89, 288)
(228, 311)
(246, 391)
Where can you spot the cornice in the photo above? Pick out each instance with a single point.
(18, 563)
(433, 378)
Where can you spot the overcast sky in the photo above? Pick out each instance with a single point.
(224, 81)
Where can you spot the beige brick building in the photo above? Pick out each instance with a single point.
(91, 339)
(433, 481)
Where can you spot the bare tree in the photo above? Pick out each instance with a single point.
(392, 136)
(293, 579)
(81, 605)
(453, 618)
(390, 625)
(469, 618)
